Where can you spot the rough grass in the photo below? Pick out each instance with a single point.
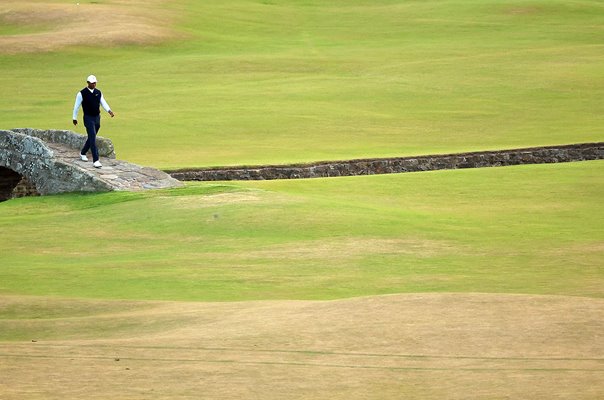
(35, 26)
(428, 346)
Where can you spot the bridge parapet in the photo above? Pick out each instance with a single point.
(70, 139)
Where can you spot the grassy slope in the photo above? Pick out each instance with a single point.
(530, 229)
(283, 81)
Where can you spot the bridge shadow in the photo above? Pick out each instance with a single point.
(13, 185)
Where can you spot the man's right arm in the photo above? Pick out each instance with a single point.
(76, 107)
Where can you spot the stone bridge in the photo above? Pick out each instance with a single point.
(39, 162)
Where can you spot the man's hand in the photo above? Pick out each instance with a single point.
(111, 113)
(75, 122)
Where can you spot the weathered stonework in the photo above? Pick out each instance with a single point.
(535, 155)
(24, 189)
(69, 139)
(47, 162)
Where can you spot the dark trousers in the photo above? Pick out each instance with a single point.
(92, 124)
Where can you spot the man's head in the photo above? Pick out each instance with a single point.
(91, 80)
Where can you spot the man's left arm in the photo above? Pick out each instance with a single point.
(106, 106)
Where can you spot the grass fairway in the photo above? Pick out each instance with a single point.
(249, 82)
(530, 229)
(468, 284)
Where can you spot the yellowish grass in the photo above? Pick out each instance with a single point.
(354, 247)
(523, 10)
(58, 25)
(429, 346)
(196, 202)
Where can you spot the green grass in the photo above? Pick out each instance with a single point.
(528, 229)
(275, 81)
(279, 82)
(290, 81)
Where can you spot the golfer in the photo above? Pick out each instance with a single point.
(90, 98)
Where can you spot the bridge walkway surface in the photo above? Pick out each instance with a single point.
(118, 174)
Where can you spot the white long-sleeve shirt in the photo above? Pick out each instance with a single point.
(78, 103)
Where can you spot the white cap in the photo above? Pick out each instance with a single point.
(91, 79)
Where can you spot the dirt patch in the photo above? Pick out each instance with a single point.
(428, 346)
(58, 25)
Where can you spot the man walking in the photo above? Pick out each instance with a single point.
(91, 98)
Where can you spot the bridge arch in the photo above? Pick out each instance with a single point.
(9, 180)
(13, 184)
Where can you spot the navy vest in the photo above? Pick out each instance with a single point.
(91, 101)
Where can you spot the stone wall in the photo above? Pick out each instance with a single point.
(535, 155)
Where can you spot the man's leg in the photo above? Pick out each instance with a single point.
(93, 148)
(92, 125)
(87, 144)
